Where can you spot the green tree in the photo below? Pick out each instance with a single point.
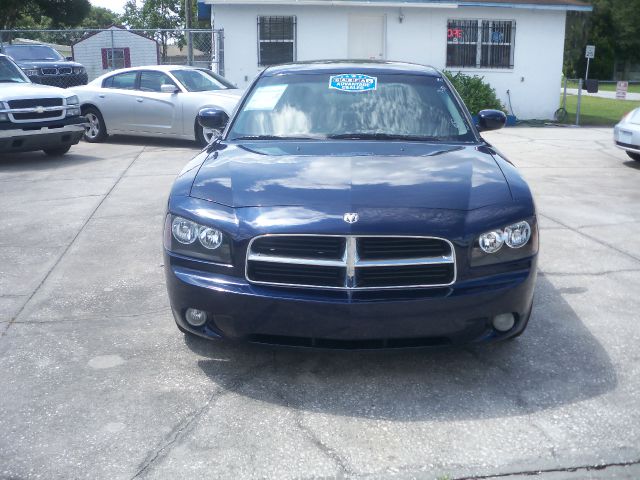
(100, 18)
(613, 27)
(156, 16)
(54, 13)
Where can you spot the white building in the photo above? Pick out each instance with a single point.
(114, 48)
(516, 45)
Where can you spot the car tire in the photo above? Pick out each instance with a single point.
(204, 135)
(96, 132)
(634, 156)
(57, 152)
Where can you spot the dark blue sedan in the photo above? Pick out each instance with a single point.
(351, 205)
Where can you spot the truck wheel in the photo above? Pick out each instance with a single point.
(56, 152)
(96, 131)
(634, 156)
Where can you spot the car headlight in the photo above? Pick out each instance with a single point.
(73, 100)
(31, 72)
(515, 241)
(78, 70)
(186, 237)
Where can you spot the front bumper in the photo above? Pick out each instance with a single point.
(459, 314)
(627, 137)
(41, 135)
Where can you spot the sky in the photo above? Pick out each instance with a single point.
(115, 5)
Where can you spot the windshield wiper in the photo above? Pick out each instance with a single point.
(274, 137)
(381, 136)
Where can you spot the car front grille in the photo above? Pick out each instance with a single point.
(27, 109)
(350, 262)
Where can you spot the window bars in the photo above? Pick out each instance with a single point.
(276, 40)
(480, 43)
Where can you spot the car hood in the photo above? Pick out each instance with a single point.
(234, 93)
(349, 175)
(46, 63)
(19, 91)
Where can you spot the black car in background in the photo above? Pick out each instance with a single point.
(43, 64)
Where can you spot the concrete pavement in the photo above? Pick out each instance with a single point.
(96, 381)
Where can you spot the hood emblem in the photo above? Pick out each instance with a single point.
(350, 217)
(39, 109)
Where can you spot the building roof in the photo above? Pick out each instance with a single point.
(576, 5)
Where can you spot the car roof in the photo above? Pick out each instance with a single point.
(352, 66)
(160, 68)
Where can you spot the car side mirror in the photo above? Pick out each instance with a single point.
(168, 88)
(491, 120)
(213, 118)
(69, 59)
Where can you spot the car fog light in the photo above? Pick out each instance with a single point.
(491, 242)
(196, 317)
(185, 231)
(517, 235)
(504, 322)
(210, 238)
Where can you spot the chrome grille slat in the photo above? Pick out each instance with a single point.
(426, 262)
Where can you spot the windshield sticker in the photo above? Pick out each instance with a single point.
(265, 98)
(353, 82)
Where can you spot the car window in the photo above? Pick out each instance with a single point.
(352, 106)
(10, 73)
(151, 81)
(126, 81)
(201, 80)
(32, 52)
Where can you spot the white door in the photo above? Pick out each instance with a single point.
(367, 37)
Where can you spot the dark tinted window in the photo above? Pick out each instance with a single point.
(151, 81)
(10, 73)
(201, 80)
(126, 80)
(32, 52)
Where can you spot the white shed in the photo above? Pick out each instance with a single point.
(114, 48)
(516, 45)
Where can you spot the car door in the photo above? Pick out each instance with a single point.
(116, 100)
(154, 110)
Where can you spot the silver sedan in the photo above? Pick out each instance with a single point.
(155, 100)
(627, 134)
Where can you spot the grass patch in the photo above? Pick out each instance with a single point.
(597, 111)
(606, 87)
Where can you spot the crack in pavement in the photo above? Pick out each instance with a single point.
(591, 237)
(71, 243)
(586, 468)
(186, 424)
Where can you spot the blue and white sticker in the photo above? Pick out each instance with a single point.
(353, 82)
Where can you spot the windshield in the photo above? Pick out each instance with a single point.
(32, 52)
(382, 107)
(201, 80)
(10, 73)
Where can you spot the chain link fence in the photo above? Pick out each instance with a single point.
(67, 58)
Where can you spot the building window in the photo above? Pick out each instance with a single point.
(480, 43)
(276, 40)
(113, 58)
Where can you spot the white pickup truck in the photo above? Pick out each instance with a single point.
(36, 117)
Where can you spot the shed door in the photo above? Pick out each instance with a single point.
(367, 36)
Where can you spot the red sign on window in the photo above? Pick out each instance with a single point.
(454, 33)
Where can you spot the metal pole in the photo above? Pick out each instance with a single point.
(586, 77)
(564, 96)
(188, 12)
(113, 63)
(579, 101)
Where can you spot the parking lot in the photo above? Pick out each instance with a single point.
(96, 381)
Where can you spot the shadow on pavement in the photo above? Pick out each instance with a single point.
(35, 161)
(632, 164)
(158, 141)
(556, 362)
